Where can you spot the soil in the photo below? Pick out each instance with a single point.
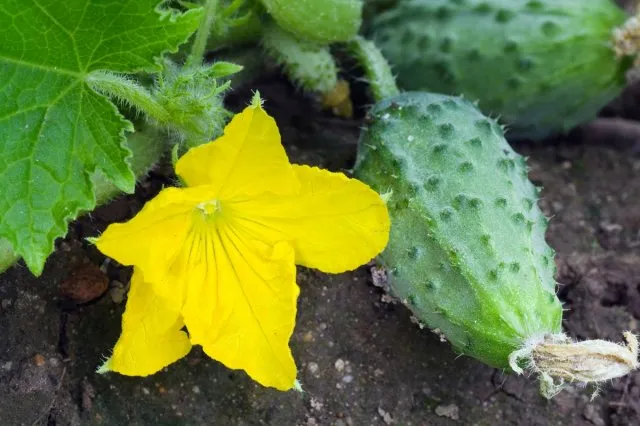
(362, 360)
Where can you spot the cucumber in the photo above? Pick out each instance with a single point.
(467, 251)
(320, 21)
(542, 66)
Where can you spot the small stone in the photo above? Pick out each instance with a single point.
(347, 379)
(386, 417)
(378, 372)
(610, 227)
(6, 303)
(316, 404)
(7, 366)
(145, 391)
(195, 389)
(39, 360)
(379, 277)
(117, 294)
(308, 337)
(54, 362)
(450, 411)
(385, 298)
(592, 415)
(339, 364)
(313, 367)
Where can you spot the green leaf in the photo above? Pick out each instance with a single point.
(224, 69)
(55, 131)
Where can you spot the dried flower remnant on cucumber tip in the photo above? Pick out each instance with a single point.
(559, 362)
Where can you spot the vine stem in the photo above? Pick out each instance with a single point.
(202, 35)
(376, 68)
(129, 92)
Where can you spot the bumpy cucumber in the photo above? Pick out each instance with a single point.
(543, 66)
(467, 249)
(321, 21)
(467, 252)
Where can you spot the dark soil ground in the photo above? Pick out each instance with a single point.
(362, 360)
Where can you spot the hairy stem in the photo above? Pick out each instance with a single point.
(376, 68)
(309, 65)
(127, 91)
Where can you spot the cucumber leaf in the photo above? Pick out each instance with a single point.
(55, 131)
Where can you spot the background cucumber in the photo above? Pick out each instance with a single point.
(321, 21)
(542, 66)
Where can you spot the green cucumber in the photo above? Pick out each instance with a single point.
(542, 66)
(320, 21)
(467, 251)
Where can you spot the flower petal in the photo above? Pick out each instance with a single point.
(247, 160)
(151, 338)
(156, 235)
(335, 224)
(241, 306)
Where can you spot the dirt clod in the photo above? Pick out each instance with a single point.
(39, 360)
(86, 282)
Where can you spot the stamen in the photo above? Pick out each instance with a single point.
(209, 208)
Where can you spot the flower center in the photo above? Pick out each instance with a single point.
(209, 208)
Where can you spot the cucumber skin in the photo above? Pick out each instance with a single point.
(466, 251)
(543, 66)
(320, 21)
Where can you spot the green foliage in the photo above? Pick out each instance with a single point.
(466, 252)
(542, 66)
(56, 131)
(193, 100)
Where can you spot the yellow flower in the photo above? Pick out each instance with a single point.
(219, 255)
